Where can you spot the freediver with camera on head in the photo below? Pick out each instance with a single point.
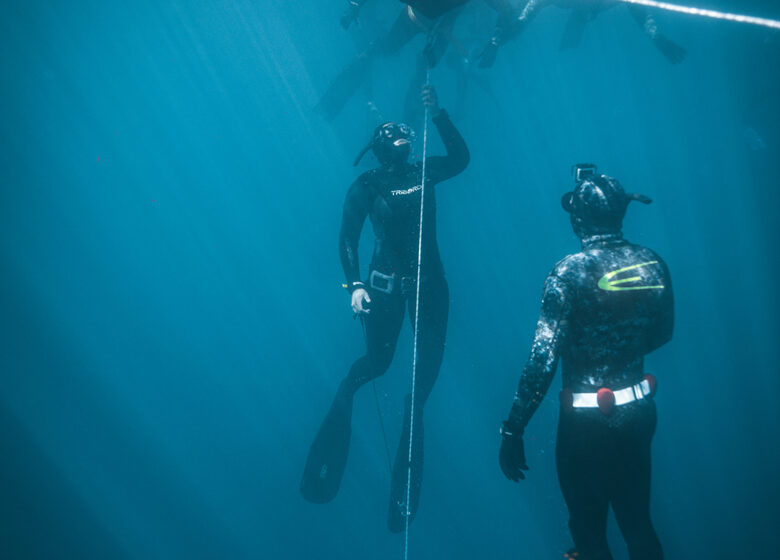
(603, 310)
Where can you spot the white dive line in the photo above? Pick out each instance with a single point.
(763, 22)
(408, 512)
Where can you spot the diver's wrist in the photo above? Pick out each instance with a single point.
(352, 286)
(509, 430)
(516, 421)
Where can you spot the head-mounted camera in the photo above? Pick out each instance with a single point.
(583, 171)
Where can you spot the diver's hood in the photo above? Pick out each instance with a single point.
(598, 204)
(391, 142)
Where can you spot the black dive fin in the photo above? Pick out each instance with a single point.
(487, 58)
(673, 52)
(344, 87)
(328, 454)
(575, 27)
(396, 517)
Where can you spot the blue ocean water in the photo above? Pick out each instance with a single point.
(173, 326)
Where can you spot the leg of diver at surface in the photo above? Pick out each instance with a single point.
(631, 500)
(508, 29)
(353, 76)
(403, 31)
(328, 453)
(439, 38)
(673, 52)
(344, 87)
(575, 28)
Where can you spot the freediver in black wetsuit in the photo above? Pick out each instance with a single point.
(603, 309)
(582, 11)
(390, 197)
(435, 18)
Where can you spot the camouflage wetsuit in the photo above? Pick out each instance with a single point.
(603, 309)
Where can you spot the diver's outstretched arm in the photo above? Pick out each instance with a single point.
(509, 25)
(440, 168)
(673, 52)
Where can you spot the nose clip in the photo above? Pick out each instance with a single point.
(606, 400)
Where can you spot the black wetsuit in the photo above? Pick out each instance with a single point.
(601, 325)
(391, 200)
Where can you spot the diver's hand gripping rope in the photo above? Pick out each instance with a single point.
(714, 14)
(416, 330)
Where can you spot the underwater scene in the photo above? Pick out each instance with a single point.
(370, 279)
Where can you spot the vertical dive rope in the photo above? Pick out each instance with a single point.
(416, 330)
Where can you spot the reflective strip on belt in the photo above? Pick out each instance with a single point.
(623, 396)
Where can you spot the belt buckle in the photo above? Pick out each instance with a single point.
(381, 282)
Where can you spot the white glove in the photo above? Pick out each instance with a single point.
(360, 297)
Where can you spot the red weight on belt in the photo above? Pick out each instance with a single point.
(567, 399)
(653, 382)
(606, 400)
